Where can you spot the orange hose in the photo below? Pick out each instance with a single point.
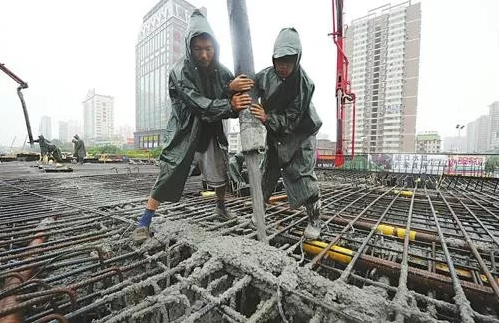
(277, 198)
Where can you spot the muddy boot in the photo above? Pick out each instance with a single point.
(313, 228)
(140, 235)
(223, 212)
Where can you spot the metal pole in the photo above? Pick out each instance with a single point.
(22, 85)
(251, 130)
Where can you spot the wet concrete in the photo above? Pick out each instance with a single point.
(272, 268)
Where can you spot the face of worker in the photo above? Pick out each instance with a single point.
(202, 49)
(284, 65)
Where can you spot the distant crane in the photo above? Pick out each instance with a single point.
(13, 141)
(22, 85)
(343, 85)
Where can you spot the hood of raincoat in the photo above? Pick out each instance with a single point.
(292, 118)
(76, 137)
(287, 44)
(197, 99)
(198, 24)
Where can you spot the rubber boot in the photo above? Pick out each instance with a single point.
(313, 228)
(224, 214)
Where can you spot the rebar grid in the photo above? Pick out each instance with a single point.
(424, 253)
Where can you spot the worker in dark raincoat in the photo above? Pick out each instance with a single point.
(48, 149)
(236, 170)
(286, 110)
(201, 91)
(80, 151)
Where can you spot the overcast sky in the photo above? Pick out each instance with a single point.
(64, 48)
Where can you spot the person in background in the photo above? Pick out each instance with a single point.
(80, 151)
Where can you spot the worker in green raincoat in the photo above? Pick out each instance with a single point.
(236, 170)
(48, 149)
(202, 92)
(80, 151)
(286, 110)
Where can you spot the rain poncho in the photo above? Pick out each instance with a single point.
(44, 145)
(80, 151)
(292, 125)
(236, 168)
(48, 148)
(200, 100)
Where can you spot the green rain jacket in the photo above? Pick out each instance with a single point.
(292, 125)
(44, 145)
(199, 104)
(80, 149)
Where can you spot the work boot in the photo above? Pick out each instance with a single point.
(223, 212)
(140, 234)
(313, 228)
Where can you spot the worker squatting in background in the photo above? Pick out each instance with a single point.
(291, 121)
(48, 150)
(200, 89)
(79, 149)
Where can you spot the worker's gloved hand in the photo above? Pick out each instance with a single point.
(258, 111)
(240, 101)
(241, 84)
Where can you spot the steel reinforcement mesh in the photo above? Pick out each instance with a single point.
(394, 247)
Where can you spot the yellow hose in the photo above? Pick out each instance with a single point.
(208, 193)
(403, 193)
(344, 255)
(395, 231)
(337, 253)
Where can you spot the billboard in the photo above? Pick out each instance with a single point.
(435, 164)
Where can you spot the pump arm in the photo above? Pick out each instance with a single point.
(22, 85)
(342, 85)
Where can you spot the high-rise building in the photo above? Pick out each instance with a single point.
(98, 116)
(74, 128)
(455, 144)
(483, 134)
(234, 141)
(471, 134)
(384, 48)
(46, 127)
(159, 46)
(67, 129)
(63, 131)
(428, 143)
(478, 135)
(493, 127)
(125, 131)
(325, 147)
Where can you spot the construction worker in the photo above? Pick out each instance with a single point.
(286, 110)
(80, 151)
(236, 169)
(48, 149)
(200, 89)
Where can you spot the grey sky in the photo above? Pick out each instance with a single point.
(64, 48)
